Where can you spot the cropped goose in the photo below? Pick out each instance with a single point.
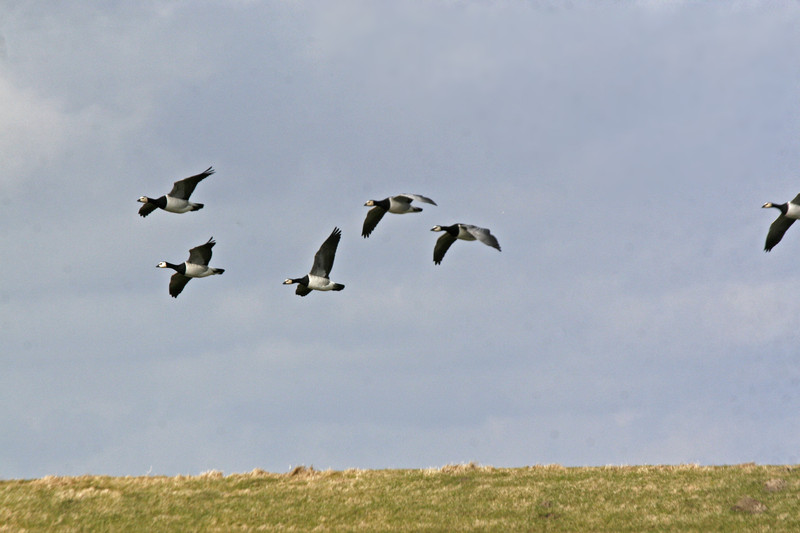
(177, 200)
(194, 267)
(466, 232)
(790, 211)
(318, 279)
(399, 205)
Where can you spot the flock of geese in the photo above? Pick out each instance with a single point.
(318, 278)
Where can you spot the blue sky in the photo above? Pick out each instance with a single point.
(620, 152)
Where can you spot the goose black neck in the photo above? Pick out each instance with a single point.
(452, 230)
(181, 268)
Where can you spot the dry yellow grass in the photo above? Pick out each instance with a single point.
(451, 498)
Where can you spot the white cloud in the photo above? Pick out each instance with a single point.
(34, 135)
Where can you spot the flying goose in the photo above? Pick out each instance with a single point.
(177, 200)
(790, 211)
(194, 267)
(317, 279)
(466, 232)
(399, 204)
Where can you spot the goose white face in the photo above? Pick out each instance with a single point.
(142, 199)
(162, 264)
(370, 203)
(288, 282)
(768, 204)
(436, 228)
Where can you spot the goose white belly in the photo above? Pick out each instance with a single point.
(793, 211)
(399, 207)
(177, 205)
(198, 271)
(464, 234)
(318, 283)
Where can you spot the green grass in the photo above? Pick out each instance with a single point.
(453, 498)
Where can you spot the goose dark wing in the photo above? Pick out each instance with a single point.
(374, 216)
(302, 290)
(185, 187)
(483, 235)
(442, 245)
(176, 284)
(201, 255)
(777, 229)
(147, 208)
(323, 259)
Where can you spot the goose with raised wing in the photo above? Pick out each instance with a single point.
(465, 232)
(399, 205)
(176, 200)
(318, 279)
(194, 267)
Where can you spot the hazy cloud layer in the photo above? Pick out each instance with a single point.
(619, 152)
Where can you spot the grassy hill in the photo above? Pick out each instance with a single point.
(453, 498)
